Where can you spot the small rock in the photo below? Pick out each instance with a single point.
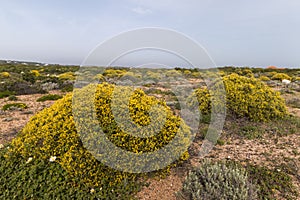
(27, 112)
(9, 119)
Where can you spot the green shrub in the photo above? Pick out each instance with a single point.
(5, 93)
(49, 97)
(250, 132)
(52, 132)
(271, 181)
(14, 105)
(67, 88)
(29, 77)
(245, 97)
(212, 181)
(281, 76)
(34, 178)
(12, 98)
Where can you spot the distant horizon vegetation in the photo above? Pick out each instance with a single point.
(39, 63)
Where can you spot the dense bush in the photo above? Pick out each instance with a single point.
(35, 72)
(114, 73)
(49, 97)
(245, 97)
(4, 74)
(264, 78)
(281, 76)
(212, 181)
(52, 132)
(67, 76)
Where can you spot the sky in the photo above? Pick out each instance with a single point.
(255, 33)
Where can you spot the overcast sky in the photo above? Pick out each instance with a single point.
(234, 32)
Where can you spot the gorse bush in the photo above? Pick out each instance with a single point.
(114, 73)
(52, 132)
(281, 76)
(35, 72)
(4, 74)
(264, 78)
(67, 76)
(245, 97)
(220, 181)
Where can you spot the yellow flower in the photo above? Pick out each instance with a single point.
(92, 190)
(1, 146)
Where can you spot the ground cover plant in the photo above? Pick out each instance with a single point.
(49, 97)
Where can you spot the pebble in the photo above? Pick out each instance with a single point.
(9, 119)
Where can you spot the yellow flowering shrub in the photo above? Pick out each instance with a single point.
(67, 76)
(245, 97)
(5, 74)
(281, 76)
(35, 72)
(52, 132)
(264, 78)
(114, 73)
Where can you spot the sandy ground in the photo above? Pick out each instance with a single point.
(12, 121)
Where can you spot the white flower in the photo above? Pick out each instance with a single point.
(92, 190)
(279, 170)
(52, 158)
(29, 160)
(101, 188)
(1, 146)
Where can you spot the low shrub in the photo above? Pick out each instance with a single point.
(12, 98)
(271, 181)
(173, 73)
(4, 74)
(67, 76)
(212, 181)
(114, 73)
(34, 178)
(245, 97)
(14, 105)
(52, 132)
(5, 94)
(281, 76)
(264, 78)
(49, 97)
(35, 72)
